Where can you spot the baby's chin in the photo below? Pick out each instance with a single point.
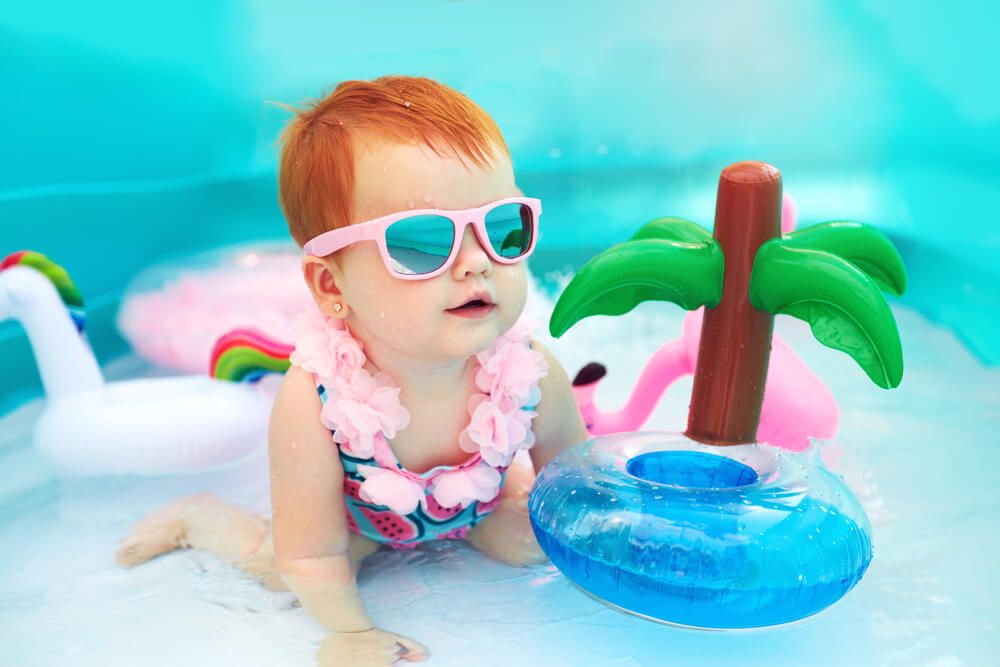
(463, 338)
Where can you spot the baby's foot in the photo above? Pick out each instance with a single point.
(157, 533)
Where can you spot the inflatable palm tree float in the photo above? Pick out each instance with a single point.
(830, 275)
(674, 527)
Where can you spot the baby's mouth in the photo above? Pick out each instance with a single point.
(479, 306)
(474, 303)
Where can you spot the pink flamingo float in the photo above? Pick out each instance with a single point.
(797, 405)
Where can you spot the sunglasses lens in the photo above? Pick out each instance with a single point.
(510, 227)
(419, 244)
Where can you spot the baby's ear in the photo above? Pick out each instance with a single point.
(321, 276)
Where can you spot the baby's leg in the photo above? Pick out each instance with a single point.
(234, 535)
(199, 522)
(506, 534)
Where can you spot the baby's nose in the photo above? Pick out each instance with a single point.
(472, 258)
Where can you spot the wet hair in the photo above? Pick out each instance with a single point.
(316, 169)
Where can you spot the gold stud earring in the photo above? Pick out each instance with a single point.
(337, 307)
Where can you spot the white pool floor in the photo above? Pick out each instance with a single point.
(923, 459)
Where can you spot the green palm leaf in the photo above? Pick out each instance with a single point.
(862, 245)
(673, 229)
(842, 304)
(623, 276)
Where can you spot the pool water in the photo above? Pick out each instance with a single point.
(922, 459)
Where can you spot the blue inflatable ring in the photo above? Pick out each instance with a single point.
(711, 537)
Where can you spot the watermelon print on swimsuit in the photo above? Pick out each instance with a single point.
(429, 521)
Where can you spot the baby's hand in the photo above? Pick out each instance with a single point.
(506, 535)
(372, 647)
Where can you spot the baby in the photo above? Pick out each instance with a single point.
(415, 382)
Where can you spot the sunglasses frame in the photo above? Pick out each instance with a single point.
(331, 241)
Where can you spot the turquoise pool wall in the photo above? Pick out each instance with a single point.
(133, 133)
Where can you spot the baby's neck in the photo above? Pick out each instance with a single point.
(420, 378)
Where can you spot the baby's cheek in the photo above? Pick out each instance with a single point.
(386, 313)
(512, 286)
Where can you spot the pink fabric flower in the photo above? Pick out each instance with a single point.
(360, 407)
(495, 434)
(510, 369)
(466, 485)
(465, 440)
(386, 487)
(346, 354)
(325, 348)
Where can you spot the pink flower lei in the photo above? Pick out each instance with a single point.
(364, 413)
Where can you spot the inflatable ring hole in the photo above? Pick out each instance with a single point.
(691, 470)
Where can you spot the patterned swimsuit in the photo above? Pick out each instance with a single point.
(429, 521)
(394, 506)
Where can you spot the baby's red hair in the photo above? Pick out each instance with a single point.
(316, 170)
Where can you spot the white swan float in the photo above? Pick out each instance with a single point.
(145, 426)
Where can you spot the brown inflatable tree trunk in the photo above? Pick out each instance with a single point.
(735, 336)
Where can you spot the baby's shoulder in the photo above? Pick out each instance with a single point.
(557, 402)
(297, 396)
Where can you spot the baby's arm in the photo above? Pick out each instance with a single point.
(559, 424)
(311, 539)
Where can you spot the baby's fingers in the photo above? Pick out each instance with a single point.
(410, 650)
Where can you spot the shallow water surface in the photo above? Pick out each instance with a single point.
(921, 458)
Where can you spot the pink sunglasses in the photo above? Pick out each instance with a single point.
(421, 244)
